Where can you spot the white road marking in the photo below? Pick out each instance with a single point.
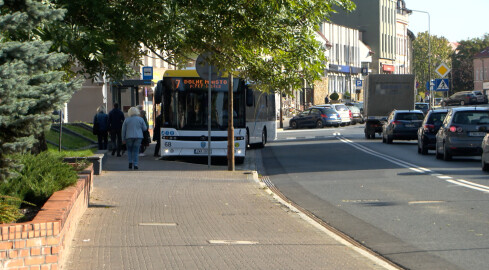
(425, 202)
(413, 167)
(157, 224)
(232, 242)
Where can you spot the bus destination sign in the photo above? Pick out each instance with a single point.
(197, 83)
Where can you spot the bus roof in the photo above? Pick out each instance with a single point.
(181, 73)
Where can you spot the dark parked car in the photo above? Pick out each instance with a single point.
(460, 98)
(424, 107)
(481, 97)
(316, 117)
(430, 126)
(402, 125)
(462, 132)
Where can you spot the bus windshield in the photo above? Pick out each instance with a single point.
(185, 103)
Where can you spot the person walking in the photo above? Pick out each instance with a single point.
(101, 127)
(116, 118)
(157, 134)
(132, 135)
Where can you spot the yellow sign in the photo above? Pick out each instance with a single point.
(442, 70)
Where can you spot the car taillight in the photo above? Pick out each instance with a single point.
(350, 113)
(429, 127)
(455, 129)
(396, 122)
(338, 115)
(324, 116)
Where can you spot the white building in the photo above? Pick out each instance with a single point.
(348, 59)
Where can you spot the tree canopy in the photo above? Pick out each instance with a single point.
(270, 42)
(463, 65)
(441, 52)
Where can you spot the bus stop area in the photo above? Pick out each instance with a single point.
(183, 215)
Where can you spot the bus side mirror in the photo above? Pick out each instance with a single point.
(249, 97)
(158, 92)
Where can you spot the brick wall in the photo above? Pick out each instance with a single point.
(42, 243)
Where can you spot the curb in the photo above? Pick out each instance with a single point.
(317, 223)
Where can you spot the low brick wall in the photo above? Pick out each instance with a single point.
(42, 243)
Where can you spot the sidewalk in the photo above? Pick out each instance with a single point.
(181, 215)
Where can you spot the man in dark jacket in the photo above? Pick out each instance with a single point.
(116, 118)
(101, 124)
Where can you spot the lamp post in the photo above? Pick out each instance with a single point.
(432, 98)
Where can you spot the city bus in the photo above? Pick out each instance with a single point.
(183, 96)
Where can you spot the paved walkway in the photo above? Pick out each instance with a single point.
(181, 215)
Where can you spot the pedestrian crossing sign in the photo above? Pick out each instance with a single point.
(441, 85)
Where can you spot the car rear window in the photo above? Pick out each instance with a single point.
(328, 111)
(409, 116)
(471, 117)
(436, 117)
(421, 106)
(341, 108)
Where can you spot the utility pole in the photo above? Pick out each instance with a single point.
(230, 124)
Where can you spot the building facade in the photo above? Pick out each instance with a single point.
(348, 60)
(378, 22)
(131, 92)
(481, 71)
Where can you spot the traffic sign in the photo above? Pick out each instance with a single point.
(441, 85)
(430, 85)
(442, 70)
(359, 84)
(147, 73)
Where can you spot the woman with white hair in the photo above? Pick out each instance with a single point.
(132, 135)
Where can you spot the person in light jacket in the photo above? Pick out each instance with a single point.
(132, 135)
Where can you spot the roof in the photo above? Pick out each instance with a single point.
(483, 54)
(471, 108)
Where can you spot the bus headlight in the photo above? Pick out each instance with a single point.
(238, 151)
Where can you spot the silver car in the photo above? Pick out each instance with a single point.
(462, 132)
(485, 153)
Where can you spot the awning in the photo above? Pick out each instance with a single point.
(388, 68)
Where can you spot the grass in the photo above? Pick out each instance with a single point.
(67, 140)
(81, 131)
(73, 153)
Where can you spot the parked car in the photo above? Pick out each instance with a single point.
(462, 132)
(344, 113)
(316, 117)
(481, 97)
(356, 115)
(402, 125)
(438, 101)
(424, 107)
(342, 110)
(485, 153)
(430, 126)
(460, 98)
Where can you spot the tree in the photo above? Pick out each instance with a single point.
(31, 83)
(441, 52)
(463, 65)
(269, 42)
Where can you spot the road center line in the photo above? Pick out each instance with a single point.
(413, 167)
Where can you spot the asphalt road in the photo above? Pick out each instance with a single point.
(419, 212)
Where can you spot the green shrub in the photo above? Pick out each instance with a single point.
(9, 209)
(40, 177)
(334, 96)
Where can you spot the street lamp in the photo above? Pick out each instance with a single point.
(432, 98)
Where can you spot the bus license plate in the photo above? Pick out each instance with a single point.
(201, 151)
(477, 134)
